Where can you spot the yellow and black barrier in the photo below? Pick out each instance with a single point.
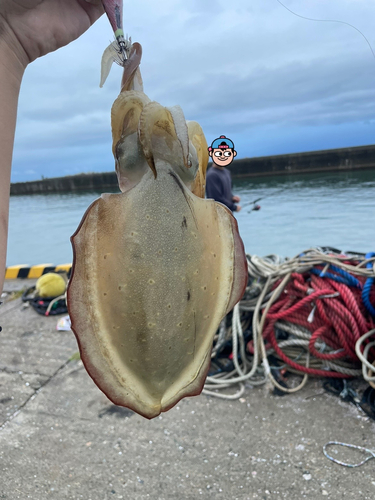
(25, 271)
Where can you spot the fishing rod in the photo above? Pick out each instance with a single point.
(256, 207)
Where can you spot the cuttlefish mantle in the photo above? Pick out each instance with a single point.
(156, 267)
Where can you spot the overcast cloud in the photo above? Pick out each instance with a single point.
(272, 82)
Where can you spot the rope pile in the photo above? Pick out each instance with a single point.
(313, 315)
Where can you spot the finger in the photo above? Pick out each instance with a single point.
(93, 8)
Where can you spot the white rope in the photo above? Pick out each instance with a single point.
(363, 356)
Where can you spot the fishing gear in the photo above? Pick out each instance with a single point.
(113, 9)
(46, 306)
(255, 208)
(117, 51)
(258, 207)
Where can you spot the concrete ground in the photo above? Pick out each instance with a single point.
(61, 438)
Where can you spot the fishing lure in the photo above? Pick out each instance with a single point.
(118, 50)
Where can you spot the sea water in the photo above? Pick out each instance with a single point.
(297, 212)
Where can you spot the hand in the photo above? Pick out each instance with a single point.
(33, 28)
(238, 208)
(30, 29)
(236, 199)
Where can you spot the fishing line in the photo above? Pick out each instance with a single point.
(328, 21)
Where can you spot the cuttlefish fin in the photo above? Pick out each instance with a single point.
(198, 140)
(240, 266)
(164, 137)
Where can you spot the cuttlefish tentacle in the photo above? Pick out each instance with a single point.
(130, 163)
(164, 136)
(198, 140)
(182, 134)
(155, 268)
(131, 78)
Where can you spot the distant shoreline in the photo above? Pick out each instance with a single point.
(329, 160)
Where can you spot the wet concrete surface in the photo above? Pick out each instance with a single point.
(61, 438)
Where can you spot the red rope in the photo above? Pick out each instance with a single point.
(301, 368)
(338, 321)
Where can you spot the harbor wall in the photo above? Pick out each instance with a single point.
(330, 160)
(82, 182)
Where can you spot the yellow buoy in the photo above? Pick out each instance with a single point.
(50, 285)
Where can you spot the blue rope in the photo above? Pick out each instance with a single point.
(342, 276)
(367, 287)
(351, 279)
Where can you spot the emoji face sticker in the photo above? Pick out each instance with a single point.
(222, 151)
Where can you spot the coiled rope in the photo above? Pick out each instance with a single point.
(306, 315)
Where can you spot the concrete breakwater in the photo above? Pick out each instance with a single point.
(71, 183)
(330, 160)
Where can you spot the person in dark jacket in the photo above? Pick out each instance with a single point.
(218, 179)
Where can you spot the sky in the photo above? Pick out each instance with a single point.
(251, 70)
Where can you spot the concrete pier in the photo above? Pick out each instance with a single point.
(62, 439)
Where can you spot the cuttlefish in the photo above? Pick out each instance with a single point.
(156, 267)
